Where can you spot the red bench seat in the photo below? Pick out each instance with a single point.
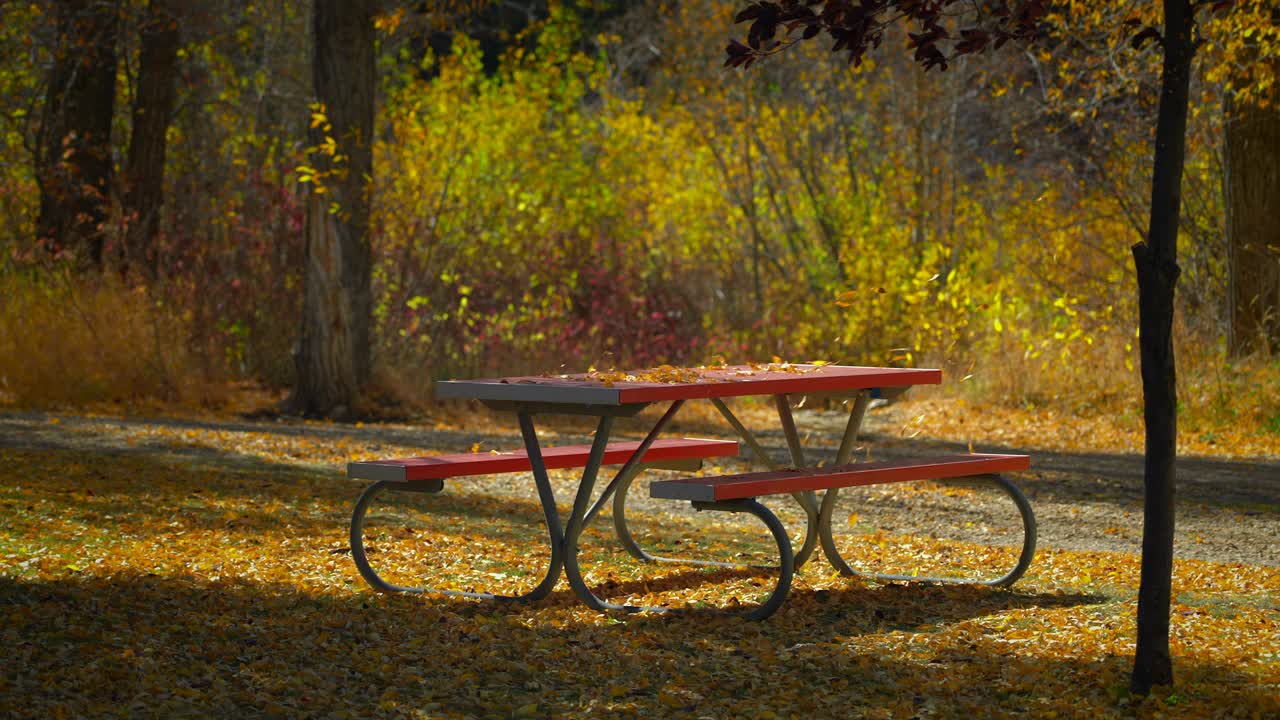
(775, 482)
(486, 463)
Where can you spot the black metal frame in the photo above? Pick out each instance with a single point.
(564, 539)
(1009, 578)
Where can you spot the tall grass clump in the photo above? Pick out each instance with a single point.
(71, 340)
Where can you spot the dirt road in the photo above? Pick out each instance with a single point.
(1228, 510)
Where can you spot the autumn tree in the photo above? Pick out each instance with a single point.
(1252, 181)
(74, 155)
(1252, 178)
(857, 26)
(333, 358)
(74, 167)
(153, 106)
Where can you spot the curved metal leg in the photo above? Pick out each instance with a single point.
(377, 583)
(634, 550)
(633, 465)
(623, 532)
(809, 502)
(1009, 578)
(785, 567)
(622, 484)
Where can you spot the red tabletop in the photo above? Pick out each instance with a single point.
(669, 383)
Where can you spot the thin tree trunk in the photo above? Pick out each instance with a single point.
(920, 215)
(74, 153)
(152, 113)
(1156, 262)
(1252, 185)
(333, 359)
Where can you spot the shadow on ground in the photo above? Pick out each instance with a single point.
(118, 640)
(174, 646)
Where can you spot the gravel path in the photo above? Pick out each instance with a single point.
(1228, 511)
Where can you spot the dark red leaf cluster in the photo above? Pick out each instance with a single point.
(856, 26)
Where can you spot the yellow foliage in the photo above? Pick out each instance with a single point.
(1244, 51)
(795, 225)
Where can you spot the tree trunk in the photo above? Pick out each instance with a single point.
(152, 113)
(74, 152)
(1156, 262)
(333, 359)
(1252, 187)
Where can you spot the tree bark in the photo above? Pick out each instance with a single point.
(333, 359)
(1156, 262)
(74, 152)
(152, 113)
(1252, 188)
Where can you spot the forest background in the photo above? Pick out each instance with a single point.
(582, 184)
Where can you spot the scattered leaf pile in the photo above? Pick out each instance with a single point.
(210, 575)
(670, 375)
(666, 374)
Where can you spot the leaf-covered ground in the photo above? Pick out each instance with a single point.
(202, 569)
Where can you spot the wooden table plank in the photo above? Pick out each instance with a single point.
(637, 386)
(446, 466)
(774, 482)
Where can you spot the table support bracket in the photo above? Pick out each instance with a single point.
(620, 497)
(745, 434)
(581, 511)
(628, 471)
(1009, 578)
(851, 428)
(807, 500)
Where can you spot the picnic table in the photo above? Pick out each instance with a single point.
(613, 394)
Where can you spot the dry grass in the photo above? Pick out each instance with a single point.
(70, 341)
(77, 341)
(1220, 400)
(1078, 375)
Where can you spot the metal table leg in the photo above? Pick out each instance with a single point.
(808, 499)
(786, 558)
(618, 488)
(622, 480)
(633, 548)
(581, 503)
(623, 486)
(852, 426)
(545, 495)
(1009, 578)
(583, 510)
